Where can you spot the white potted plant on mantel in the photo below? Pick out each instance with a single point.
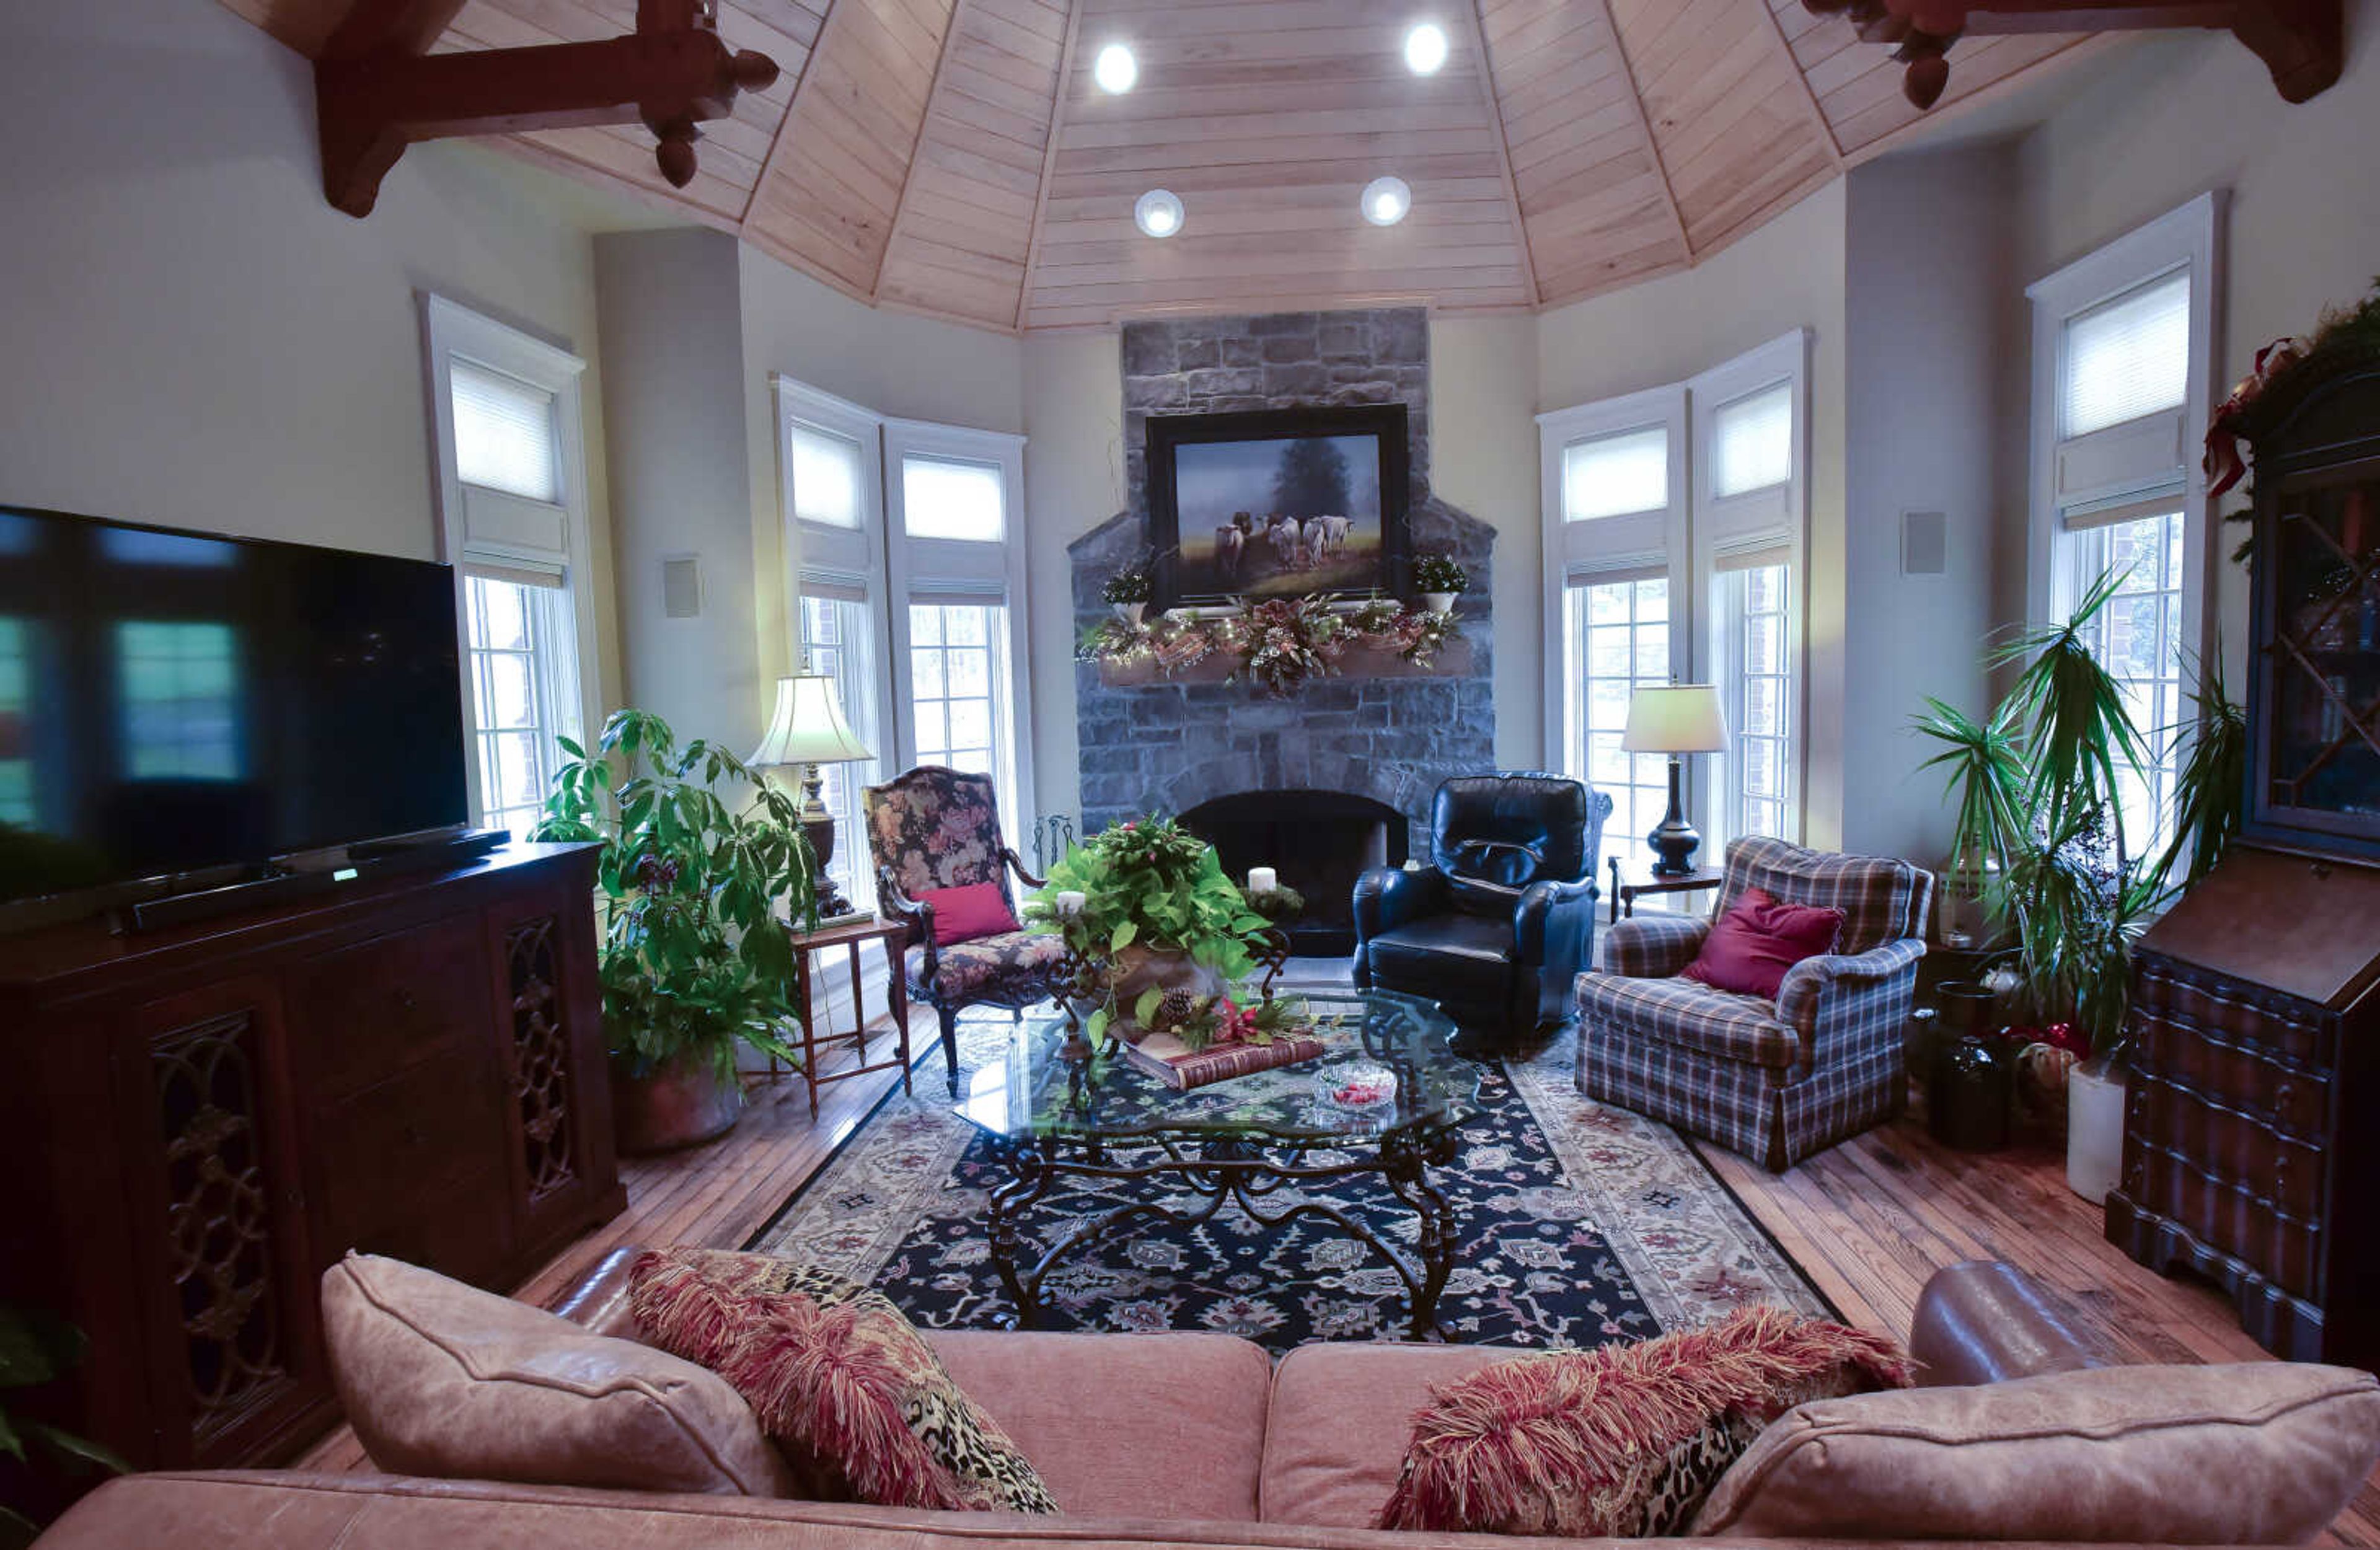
(1129, 590)
(1440, 581)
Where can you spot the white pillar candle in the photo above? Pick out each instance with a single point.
(1070, 903)
(1263, 879)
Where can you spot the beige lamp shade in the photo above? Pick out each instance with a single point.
(1675, 719)
(807, 726)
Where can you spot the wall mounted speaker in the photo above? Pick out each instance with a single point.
(682, 586)
(1924, 543)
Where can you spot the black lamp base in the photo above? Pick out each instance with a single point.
(1674, 841)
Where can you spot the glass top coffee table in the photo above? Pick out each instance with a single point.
(1252, 1140)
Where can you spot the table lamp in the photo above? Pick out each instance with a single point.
(807, 729)
(1676, 720)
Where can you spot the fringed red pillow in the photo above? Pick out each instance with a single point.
(1623, 1441)
(836, 1376)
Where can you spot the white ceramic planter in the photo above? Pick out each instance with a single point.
(1439, 603)
(2095, 1129)
(1129, 612)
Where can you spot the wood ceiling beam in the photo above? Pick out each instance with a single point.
(918, 146)
(669, 74)
(1644, 124)
(1477, 32)
(1048, 159)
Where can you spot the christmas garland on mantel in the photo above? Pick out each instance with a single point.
(1281, 643)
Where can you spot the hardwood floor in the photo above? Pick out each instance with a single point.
(1867, 1220)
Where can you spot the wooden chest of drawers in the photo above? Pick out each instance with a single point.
(2249, 1155)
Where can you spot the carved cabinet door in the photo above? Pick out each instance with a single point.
(218, 1218)
(540, 951)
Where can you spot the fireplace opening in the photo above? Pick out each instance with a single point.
(1319, 842)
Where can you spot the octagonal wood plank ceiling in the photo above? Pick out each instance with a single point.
(956, 158)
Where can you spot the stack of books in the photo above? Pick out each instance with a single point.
(1177, 1065)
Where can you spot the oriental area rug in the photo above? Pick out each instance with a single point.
(1576, 1225)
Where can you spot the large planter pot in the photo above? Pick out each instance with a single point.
(683, 1102)
(2095, 1129)
(1139, 968)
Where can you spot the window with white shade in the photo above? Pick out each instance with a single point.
(1674, 526)
(2123, 374)
(1611, 476)
(838, 639)
(513, 523)
(946, 497)
(824, 471)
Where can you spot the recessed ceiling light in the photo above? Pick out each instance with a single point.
(1157, 213)
(1115, 70)
(1426, 48)
(1386, 200)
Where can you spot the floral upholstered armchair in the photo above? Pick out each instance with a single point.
(931, 829)
(1776, 1081)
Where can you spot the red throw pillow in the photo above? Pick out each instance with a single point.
(1623, 1441)
(1758, 939)
(972, 910)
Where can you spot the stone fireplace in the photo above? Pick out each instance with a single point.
(1339, 774)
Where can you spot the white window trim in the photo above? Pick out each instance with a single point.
(1610, 543)
(815, 553)
(2187, 237)
(450, 330)
(922, 569)
(1775, 517)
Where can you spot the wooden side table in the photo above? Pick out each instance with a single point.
(850, 936)
(1625, 894)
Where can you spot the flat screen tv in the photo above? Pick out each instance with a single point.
(177, 704)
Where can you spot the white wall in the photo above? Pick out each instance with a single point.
(1483, 449)
(674, 418)
(1789, 275)
(2191, 111)
(1935, 301)
(1074, 481)
(193, 337)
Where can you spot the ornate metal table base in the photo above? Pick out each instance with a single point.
(1217, 1171)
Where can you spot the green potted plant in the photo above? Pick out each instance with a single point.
(1129, 590)
(1145, 906)
(696, 895)
(36, 1349)
(1438, 580)
(2038, 833)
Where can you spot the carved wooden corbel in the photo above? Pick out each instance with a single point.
(378, 88)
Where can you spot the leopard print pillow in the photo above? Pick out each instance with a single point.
(837, 1376)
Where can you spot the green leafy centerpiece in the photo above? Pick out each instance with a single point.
(696, 894)
(1157, 937)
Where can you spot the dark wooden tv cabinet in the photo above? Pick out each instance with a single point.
(194, 1122)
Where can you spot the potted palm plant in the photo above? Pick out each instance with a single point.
(2039, 826)
(696, 894)
(1146, 908)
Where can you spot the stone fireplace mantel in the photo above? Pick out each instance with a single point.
(1384, 731)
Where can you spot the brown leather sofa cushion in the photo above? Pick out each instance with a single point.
(441, 1379)
(2259, 1453)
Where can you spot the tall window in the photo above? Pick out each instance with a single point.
(1673, 536)
(1618, 632)
(2123, 345)
(837, 638)
(513, 522)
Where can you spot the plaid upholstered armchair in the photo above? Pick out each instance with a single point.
(1776, 1081)
(930, 829)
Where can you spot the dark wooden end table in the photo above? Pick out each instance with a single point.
(850, 936)
(1624, 894)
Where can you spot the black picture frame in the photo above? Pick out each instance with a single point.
(1196, 461)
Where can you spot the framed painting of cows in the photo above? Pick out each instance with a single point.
(1277, 503)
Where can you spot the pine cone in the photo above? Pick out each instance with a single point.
(1177, 1008)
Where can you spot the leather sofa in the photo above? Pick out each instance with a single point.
(1501, 920)
(1146, 1440)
